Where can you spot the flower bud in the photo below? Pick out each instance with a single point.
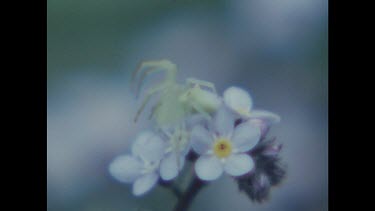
(269, 171)
(262, 125)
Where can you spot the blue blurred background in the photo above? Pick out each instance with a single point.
(277, 49)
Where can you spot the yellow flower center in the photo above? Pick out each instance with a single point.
(222, 148)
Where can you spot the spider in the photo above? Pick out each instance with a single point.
(176, 100)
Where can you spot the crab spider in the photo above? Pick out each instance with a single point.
(176, 100)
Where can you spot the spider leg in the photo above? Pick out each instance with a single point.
(193, 81)
(148, 64)
(177, 130)
(200, 110)
(149, 94)
(167, 132)
(143, 76)
(153, 110)
(152, 67)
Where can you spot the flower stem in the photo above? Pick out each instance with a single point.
(187, 197)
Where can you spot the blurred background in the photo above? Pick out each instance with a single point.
(277, 49)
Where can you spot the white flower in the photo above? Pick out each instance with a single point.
(177, 147)
(141, 166)
(241, 103)
(223, 147)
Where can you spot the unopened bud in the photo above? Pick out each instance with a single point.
(262, 125)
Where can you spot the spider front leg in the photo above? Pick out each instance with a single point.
(153, 108)
(152, 63)
(193, 81)
(201, 110)
(143, 76)
(153, 67)
(149, 94)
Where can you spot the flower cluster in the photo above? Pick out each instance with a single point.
(221, 138)
(221, 132)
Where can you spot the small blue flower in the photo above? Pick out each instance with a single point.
(222, 147)
(177, 147)
(142, 165)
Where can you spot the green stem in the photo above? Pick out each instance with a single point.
(187, 197)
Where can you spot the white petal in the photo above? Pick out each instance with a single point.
(149, 146)
(126, 168)
(182, 162)
(194, 120)
(238, 164)
(208, 167)
(246, 135)
(265, 115)
(201, 139)
(238, 99)
(145, 183)
(223, 122)
(169, 166)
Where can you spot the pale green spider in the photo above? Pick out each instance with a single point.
(176, 100)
